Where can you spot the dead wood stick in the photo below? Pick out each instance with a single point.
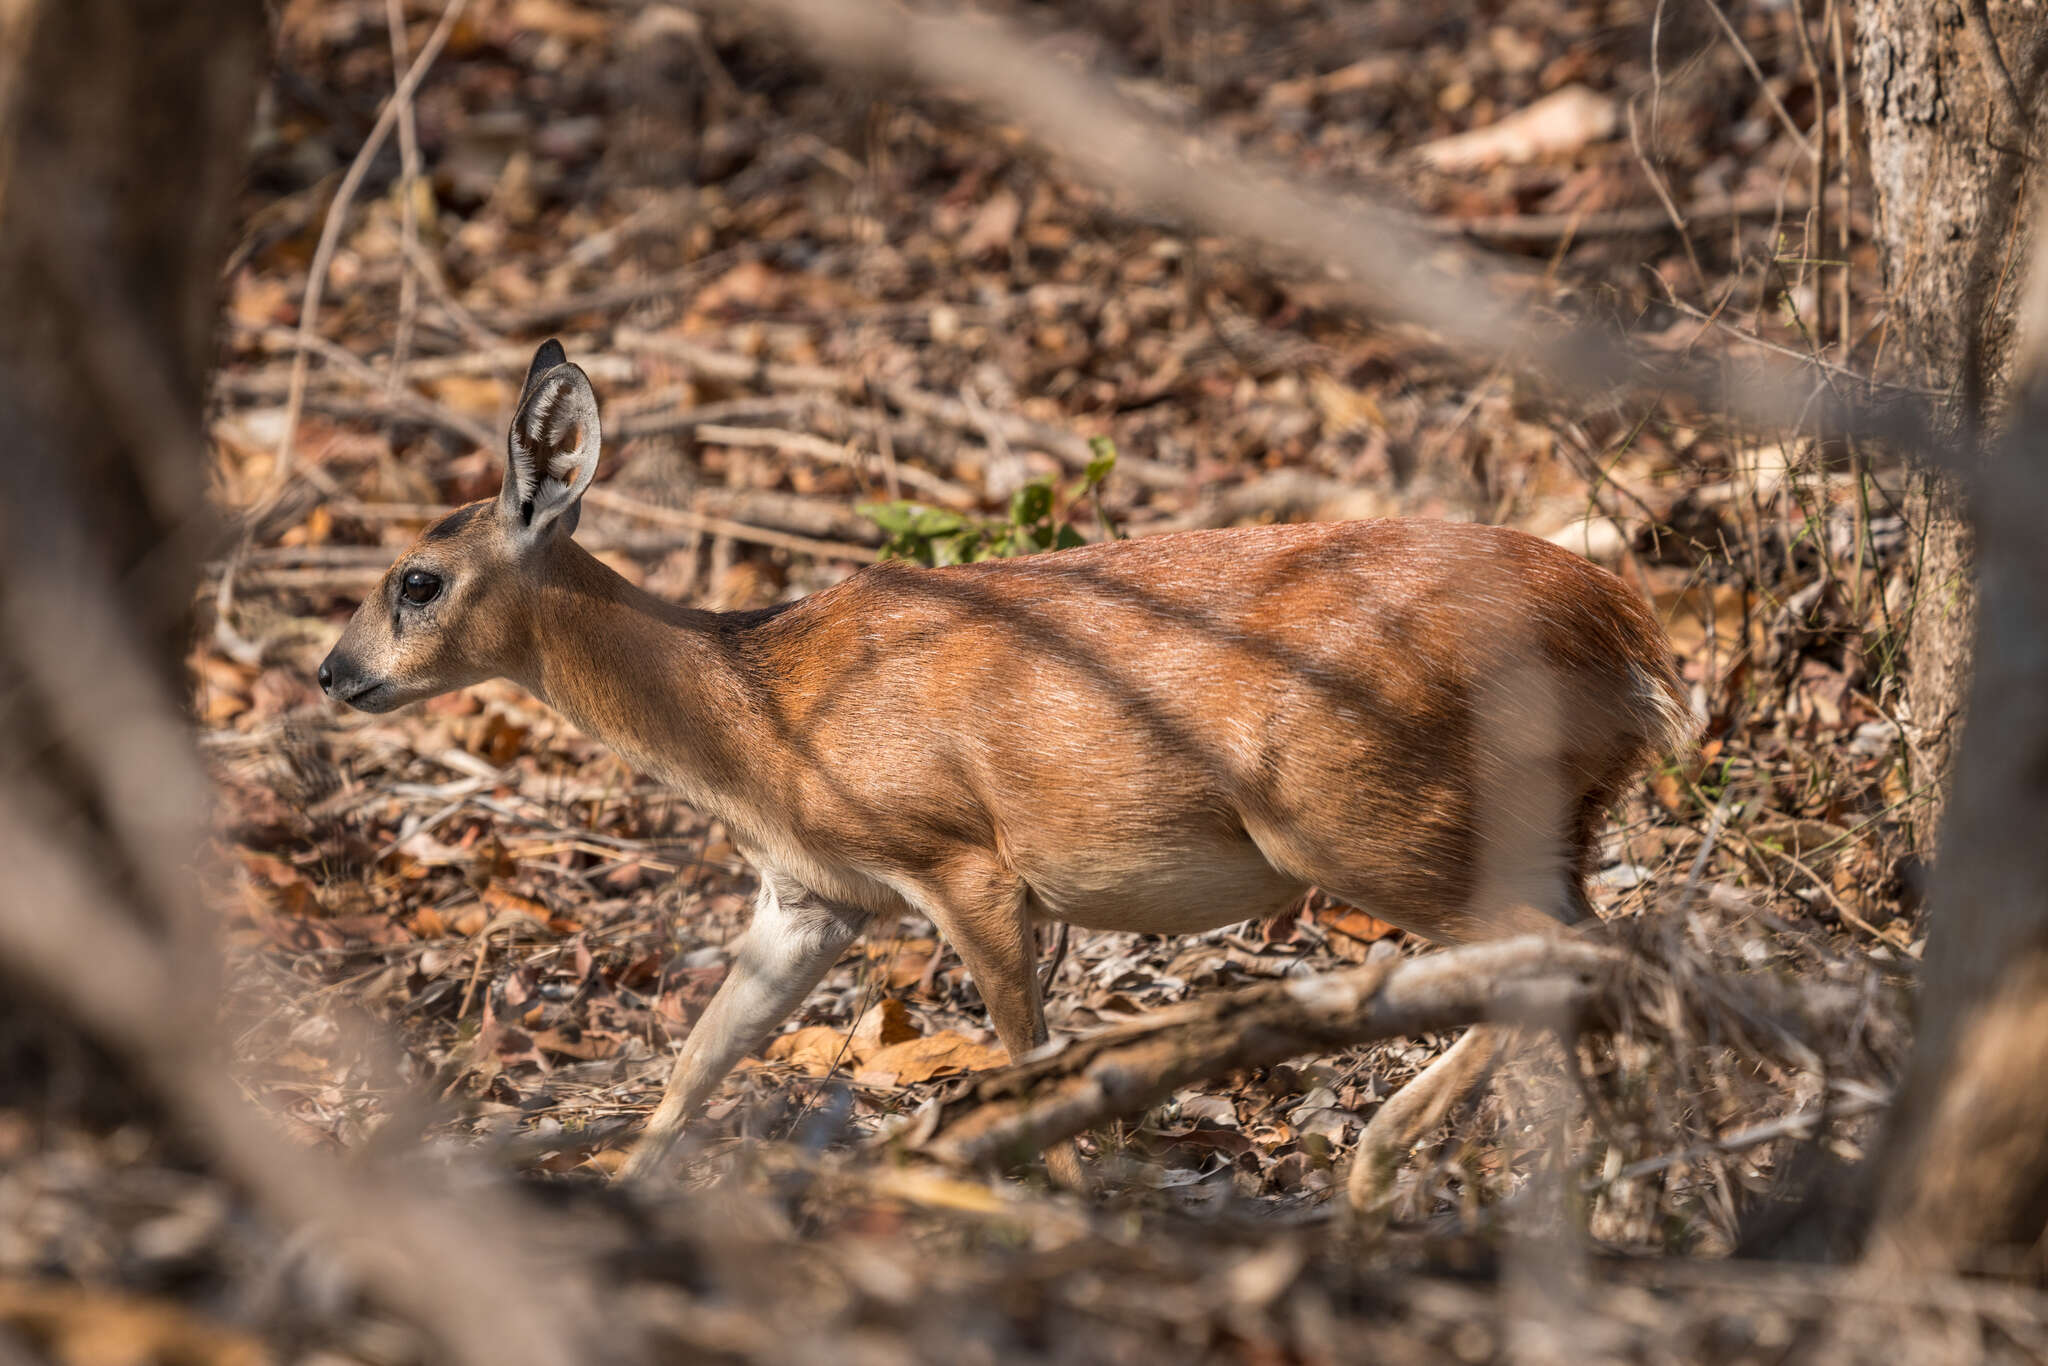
(668, 417)
(1546, 228)
(1069, 448)
(830, 518)
(934, 487)
(689, 520)
(508, 361)
(1012, 1114)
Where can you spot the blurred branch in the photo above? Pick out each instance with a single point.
(1393, 263)
(1961, 1177)
(460, 1274)
(1984, 46)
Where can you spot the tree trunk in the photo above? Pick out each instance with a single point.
(1951, 201)
(1962, 1182)
(123, 127)
(1962, 1179)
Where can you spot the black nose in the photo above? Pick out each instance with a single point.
(326, 676)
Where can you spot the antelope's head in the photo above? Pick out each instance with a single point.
(457, 607)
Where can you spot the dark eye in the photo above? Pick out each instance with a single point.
(419, 587)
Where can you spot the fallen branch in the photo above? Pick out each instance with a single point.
(934, 487)
(1012, 1114)
(1068, 447)
(1544, 229)
(687, 520)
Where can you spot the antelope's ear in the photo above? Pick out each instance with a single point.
(551, 451)
(545, 358)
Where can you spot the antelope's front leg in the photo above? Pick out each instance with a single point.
(794, 940)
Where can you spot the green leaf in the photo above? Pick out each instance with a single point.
(895, 518)
(936, 522)
(1032, 503)
(1103, 451)
(1068, 538)
(957, 549)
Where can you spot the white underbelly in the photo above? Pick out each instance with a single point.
(1181, 893)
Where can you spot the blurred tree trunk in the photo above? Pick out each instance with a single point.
(123, 127)
(1961, 1181)
(1945, 156)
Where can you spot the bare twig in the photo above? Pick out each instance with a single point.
(1656, 179)
(1762, 82)
(1984, 47)
(1069, 448)
(1749, 1136)
(937, 488)
(337, 213)
(688, 520)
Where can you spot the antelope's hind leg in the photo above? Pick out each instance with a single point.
(794, 939)
(980, 908)
(1404, 1117)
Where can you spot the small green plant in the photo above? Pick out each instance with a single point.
(1037, 520)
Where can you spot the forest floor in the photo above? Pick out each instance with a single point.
(794, 300)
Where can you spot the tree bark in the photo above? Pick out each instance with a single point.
(1946, 159)
(1961, 1181)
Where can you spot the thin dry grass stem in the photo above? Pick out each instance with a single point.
(1670, 205)
(408, 209)
(337, 214)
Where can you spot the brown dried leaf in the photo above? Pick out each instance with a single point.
(1556, 125)
(814, 1048)
(934, 1055)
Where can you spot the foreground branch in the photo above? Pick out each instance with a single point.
(1393, 263)
(1011, 1115)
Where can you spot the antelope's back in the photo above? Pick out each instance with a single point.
(1295, 682)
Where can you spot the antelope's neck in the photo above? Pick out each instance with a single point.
(656, 682)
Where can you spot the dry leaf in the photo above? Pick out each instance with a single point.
(908, 959)
(503, 902)
(814, 1048)
(934, 1055)
(1689, 613)
(993, 226)
(886, 1022)
(477, 395)
(1560, 122)
(582, 1044)
(1352, 933)
(76, 1324)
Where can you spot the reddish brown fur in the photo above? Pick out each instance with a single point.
(1427, 719)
